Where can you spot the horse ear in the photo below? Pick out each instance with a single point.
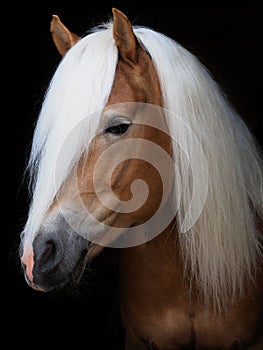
(124, 36)
(62, 37)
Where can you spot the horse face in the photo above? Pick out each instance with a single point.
(113, 187)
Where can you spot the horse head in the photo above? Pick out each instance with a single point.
(105, 192)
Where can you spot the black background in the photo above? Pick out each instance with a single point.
(226, 37)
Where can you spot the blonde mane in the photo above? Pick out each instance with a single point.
(222, 249)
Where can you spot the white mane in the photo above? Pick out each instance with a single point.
(222, 249)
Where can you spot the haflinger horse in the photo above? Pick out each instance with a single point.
(132, 124)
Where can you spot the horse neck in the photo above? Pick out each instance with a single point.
(153, 271)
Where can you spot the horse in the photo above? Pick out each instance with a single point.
(137, 148)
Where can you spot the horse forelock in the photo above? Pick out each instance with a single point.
(226, 226)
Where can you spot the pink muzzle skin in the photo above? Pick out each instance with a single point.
(27, 259)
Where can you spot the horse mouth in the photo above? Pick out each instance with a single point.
(61, 278)
(70, 279)
(75, 276)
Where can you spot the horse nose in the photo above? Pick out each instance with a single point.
(48, 253)
(49, 250)
(41, 259)
(54, 258)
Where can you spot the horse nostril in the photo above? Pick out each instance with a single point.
(48, 254)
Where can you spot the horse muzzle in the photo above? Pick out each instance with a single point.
(55, 258)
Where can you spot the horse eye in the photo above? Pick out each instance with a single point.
(117, 129)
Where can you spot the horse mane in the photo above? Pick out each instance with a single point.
(222, 249)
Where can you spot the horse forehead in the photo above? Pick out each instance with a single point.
(136, 83)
